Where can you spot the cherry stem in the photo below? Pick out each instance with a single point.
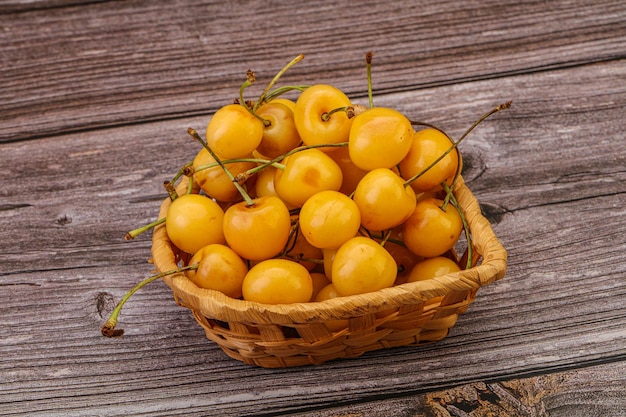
(348, 109)
(446, 199)
(282, 90)
(190, 185)
(192, 170)
(293, 237)
(136, 232)
(279, 158)
(250, 79)
(291, 244)
(455, 144)
(108, 329)
(368, 67)
(181, 172)
(171, 190)
(496, 109)
(468, 236)
(432, 164)
(301, 258)
(238, 186)
(386, 237)
(457, 172)
(280, 73)
(242, 176)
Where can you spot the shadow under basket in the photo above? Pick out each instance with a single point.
(276, 336)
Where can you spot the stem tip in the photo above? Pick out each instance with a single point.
(505, 106)
(108, 330)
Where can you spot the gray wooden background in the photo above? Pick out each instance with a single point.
(95, 101)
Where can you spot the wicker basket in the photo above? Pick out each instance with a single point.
(288, 335)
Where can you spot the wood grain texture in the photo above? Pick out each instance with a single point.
(102, 64)
(573, 394)
(88, 139)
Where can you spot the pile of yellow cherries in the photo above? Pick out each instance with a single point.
(315, 197)
(304, 199)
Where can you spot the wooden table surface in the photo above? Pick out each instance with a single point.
(95, 101)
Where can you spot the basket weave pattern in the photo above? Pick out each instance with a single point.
(274, 336)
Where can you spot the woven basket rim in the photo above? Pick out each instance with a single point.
(216, 305)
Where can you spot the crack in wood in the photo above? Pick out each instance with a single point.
(8, 207)
(15, 284)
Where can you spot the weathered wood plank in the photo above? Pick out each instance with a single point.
(63, 265)
(513, 161)
(593, 391)
(550, 173)
(113, 63)
(12, 6)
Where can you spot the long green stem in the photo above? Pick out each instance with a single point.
(238, 186)
(455, 144)
(171, 190)
(136, 232)
(348, 109)
(190, 185)
(232, 161)
(387, 237)
(457, 173)
(181, 172)
(368, 66)
(466, 229)
(250, 79)
(108, 329)
(432, 164)
(279, 158)
(496, 109)
(282, 90)
(280, 73)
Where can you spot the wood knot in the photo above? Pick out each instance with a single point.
(63, 220)
(105, 303)
(473, 165)
(492, 212)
